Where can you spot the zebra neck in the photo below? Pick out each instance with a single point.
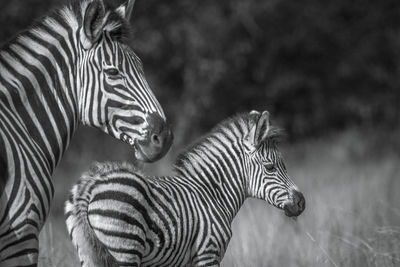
(219, 177)
(37, 85)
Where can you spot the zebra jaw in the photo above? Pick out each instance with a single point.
(127, 139)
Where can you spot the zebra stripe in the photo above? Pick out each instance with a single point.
(116, 216)
(72, 67)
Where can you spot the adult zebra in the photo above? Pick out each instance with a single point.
(72, 67)
(118, 217)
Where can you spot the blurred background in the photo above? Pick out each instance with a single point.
(328, 72)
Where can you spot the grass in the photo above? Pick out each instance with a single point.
(351, 182)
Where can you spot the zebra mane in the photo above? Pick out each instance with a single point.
(103, 168)
(72, 15)
(238, 123)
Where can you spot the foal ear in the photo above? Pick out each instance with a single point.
(93, 23)
(125, 10)
(259, 131)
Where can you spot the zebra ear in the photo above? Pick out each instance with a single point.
(125, 10)
(93, 23)
(260, 129)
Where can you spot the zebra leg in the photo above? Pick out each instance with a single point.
(19, 246)
(19, 231)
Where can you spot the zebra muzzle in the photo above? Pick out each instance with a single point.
(158, 141)
(296, 205)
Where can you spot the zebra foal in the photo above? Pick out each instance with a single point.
(118, 217)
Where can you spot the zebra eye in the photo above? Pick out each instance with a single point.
(270, 167)
(112, 72)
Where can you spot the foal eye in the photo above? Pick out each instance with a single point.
(112, 72)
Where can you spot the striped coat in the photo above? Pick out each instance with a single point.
(119, 217)
(71, 68)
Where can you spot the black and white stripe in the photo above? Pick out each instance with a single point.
(71, 68)
(118, 217)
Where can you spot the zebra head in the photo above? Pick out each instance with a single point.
(114, 94)
(268, 178)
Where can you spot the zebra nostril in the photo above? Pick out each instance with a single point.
(155, 139)
(158, 139)
(299, 201)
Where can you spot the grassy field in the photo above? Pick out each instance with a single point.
(351, 182)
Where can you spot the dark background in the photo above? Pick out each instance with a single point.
(317, 66)
(328, 72)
